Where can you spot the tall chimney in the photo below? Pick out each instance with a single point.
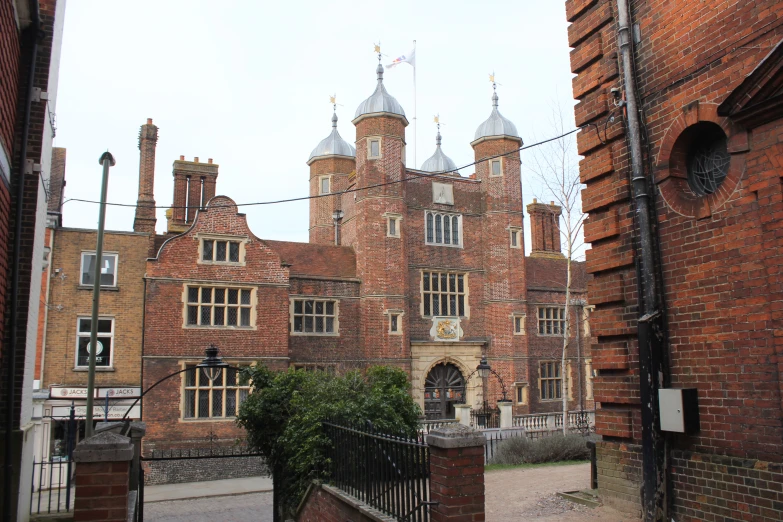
(545, 229)
(145, 205)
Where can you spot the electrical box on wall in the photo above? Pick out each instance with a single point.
(679, 410)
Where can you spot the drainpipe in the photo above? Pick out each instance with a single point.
(651, 344)
(35, 35)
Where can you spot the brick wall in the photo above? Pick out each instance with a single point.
(68, 300)
(328, 504)
(717, 253)
(321, 209)
(168, 344)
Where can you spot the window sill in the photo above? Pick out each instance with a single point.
(314, 334)
(442, 245)
(222, 263)
(205, 327)
(550, 400)
(97, 369)
(103, 288)
(208, 419)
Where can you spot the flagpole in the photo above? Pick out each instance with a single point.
(415, 120)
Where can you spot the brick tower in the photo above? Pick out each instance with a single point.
(504, 260)
(145, 205)
(331, 164)
(545, 229)
(381, 257)
(194, 186)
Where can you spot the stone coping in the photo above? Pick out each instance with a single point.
(104, 447)
(455, 436)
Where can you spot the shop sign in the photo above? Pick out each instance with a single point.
(119, 393)
(68, 392)
(116, 412)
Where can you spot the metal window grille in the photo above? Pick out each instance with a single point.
(315, 316)
(325, 189)
(442, 229)
(551, 382)
(551, 320)
(392, 226)
(219, 251)
(519, 324)
(103, 356)
(219, 307)
(443, 293)
(496, 168)
(213, 399)
(394, 323)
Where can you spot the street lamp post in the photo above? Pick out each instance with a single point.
(212, 365)
(485, 370)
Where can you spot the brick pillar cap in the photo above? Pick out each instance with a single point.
(104, 447)
(455, 436)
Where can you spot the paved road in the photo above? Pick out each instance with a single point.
(251, 507)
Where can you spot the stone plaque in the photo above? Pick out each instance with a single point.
(442, 193)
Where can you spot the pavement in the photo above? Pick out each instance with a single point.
(215, 488)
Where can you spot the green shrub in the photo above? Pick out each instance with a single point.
(284, 412)
(555, 448)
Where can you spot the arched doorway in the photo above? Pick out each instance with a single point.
(443, 388)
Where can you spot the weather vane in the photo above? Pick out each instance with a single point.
(378, 50)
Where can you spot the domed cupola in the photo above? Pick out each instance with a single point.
(380, 102)
(332, 145)
(496, 126)
(439, 162)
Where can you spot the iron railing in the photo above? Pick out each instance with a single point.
(485, 417)
(52, 481)
(389, 473)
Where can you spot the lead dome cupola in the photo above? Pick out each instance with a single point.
(496, 125)
(332, 145)
(380, 101)
(439, 162)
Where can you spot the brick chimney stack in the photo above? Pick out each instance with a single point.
(545, 229)
(145, 205)
(194, 185)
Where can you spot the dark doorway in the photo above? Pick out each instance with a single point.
(443, 388)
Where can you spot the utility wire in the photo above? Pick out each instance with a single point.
(413, 175)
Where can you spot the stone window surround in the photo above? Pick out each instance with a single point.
(450, 215)
(183, 380)
(514, 232)
(399, 313)
(321, 179)
(539, 319)
(226, 286)
(541, 380)
(466, 293)
(371, 139)
(489, 166)
(110, 367)
(334, 300)
(242, 240)
(522, 316)
(588, 362)
(396, 217)
(670, 171)
(105, 253)
(521, 394)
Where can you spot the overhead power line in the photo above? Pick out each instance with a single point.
(413, 175)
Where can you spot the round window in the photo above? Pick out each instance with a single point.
(708, 158)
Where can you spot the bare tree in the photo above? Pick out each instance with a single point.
(555, 167)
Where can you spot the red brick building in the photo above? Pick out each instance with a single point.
(421, 269)
(708, 80)
(30, 37)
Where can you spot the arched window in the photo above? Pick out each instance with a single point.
(443, 229)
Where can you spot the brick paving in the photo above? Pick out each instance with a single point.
(252, 507)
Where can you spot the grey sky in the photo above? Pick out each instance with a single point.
(248, 84)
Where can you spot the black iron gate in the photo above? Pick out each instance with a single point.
(485, 417)
(52, 480)
(188, 454)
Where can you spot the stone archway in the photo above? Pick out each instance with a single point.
(444, 387)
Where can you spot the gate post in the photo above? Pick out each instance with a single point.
(102, 478)
(506, 414)
(456, 473)
(462, 413)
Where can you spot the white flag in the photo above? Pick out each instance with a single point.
(405, 58)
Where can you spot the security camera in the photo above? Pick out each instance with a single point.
(615, 92)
